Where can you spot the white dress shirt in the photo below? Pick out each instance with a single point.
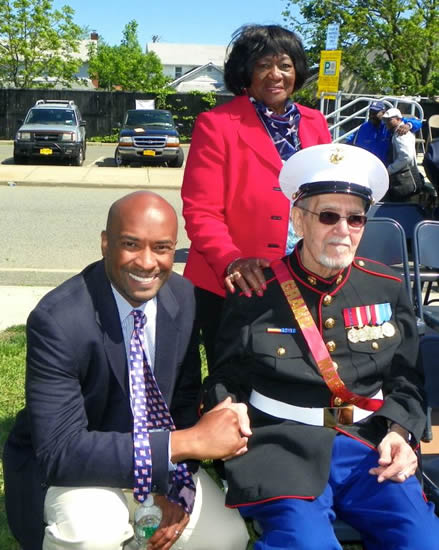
(149, 308)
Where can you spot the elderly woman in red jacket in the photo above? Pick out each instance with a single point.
(237, 218)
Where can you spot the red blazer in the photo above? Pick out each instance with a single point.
(232, 203)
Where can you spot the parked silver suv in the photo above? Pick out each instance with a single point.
(52, 129)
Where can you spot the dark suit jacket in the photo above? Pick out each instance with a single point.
(286, 458)
(76, 429)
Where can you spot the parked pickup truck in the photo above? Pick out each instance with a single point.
(149, 136)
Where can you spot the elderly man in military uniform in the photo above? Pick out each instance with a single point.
(324, 353)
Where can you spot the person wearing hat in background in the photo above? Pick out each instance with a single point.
(374, 136)
(236, 217)
(326, 360)
(405, 178)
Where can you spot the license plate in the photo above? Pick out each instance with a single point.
(149, 153)
(46, 151)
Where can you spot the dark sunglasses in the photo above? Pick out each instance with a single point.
(331, 218)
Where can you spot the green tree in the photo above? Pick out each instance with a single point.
(393, 45)
(126, 66)
(37, 44)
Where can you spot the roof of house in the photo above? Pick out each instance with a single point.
(187, 54)
(194, 72)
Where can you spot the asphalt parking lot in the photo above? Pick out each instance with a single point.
(99, 169)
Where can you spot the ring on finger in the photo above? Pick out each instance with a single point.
(177, 533)
(235, 275)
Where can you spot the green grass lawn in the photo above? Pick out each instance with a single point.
(12, 367)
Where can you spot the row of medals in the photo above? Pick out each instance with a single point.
(363, 334)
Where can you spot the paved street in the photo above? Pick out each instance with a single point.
(49, 233)
(51, 217)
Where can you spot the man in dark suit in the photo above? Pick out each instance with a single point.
(326, 359)
(68, 462)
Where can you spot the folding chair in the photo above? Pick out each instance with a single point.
(384, 240)
(433, 124)
(426, 269)
(431, 163)
(408, 214)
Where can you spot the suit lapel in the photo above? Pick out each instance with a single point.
(107, 317)
(166, 341)
(252, 132)
(167, 332)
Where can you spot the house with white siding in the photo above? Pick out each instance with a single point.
(191, 66)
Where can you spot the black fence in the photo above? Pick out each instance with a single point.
(102, 110)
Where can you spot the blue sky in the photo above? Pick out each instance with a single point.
(187, 21)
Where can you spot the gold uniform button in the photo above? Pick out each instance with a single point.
(312, 280)
(375, 345)
(335, 365)
(339, 279)
(327, 300)
(330, 323)
(338, 402)
(281, 352)
(331, 345)
(361, 263)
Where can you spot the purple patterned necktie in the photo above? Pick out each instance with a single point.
(151, 413)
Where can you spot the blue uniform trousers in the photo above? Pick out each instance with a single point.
(389, 515)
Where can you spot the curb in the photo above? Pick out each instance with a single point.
(90, 185)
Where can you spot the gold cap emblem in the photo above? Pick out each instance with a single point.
(337, 156)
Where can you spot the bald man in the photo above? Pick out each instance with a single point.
(69, 462)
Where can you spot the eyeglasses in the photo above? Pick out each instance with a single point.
(327, 217)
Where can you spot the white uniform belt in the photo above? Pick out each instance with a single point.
(315, 416)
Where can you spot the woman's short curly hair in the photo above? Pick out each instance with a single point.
(251, 42)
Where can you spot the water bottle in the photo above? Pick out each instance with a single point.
(147, 518)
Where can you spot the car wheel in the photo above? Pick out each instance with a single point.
(178, 161)
(118, 160)
(79, 159)
(19, 159)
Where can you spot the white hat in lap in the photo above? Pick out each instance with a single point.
(334, 168)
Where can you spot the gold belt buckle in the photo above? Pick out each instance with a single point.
(333, 416)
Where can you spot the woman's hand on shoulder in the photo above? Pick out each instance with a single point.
(246, 274)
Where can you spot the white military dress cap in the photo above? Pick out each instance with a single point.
(334, 168)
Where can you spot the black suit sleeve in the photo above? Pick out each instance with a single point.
(67, 450)
(230, 375)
